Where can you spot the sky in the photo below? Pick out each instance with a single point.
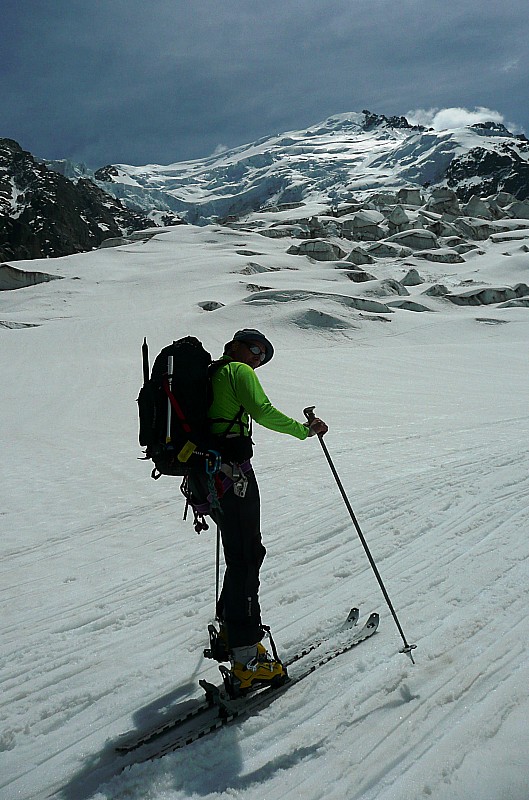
(137, 82)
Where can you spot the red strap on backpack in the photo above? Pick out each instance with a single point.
(175, 405)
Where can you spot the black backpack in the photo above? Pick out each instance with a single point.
(173, 404)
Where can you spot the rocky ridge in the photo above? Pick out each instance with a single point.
(43, 214)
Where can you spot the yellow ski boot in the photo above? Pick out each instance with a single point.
(263, 669)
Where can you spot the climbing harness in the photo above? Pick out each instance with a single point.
(218, 483)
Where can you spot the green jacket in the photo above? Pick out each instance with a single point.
(234, 385)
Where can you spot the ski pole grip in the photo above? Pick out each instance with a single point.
(309, 413)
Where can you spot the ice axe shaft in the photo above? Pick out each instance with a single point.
(309, 413)
(145, 360)
(169, 406)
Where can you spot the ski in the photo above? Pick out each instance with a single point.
(230, 709)
(350, 622)
(201, 707)
(128, 745)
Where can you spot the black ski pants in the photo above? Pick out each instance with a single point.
(239, 521)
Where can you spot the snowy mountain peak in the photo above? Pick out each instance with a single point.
(343, 158)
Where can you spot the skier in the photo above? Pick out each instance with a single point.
(238, 398)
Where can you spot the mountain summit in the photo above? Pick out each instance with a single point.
(57, 208)
(340, 159)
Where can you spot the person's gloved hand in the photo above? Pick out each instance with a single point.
(317, 426)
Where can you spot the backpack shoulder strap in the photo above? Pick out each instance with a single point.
(237, 419)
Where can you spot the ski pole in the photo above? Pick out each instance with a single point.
(309, 413)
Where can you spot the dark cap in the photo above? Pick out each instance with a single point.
(251, 335)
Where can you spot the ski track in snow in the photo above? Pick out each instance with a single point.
(378, 699)
(107, 594)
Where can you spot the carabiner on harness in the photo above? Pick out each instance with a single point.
(213, 462)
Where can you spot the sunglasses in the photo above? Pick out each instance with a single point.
(256, 350)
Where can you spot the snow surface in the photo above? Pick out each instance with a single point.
(107, 593)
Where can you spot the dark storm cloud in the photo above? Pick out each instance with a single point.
(138, 82)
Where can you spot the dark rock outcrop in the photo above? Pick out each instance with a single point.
(43, 214)
(373, 120)
(500, 170)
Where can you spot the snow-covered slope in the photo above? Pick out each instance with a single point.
(107, 593)
(337, 160)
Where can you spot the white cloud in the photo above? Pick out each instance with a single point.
(442, 118)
